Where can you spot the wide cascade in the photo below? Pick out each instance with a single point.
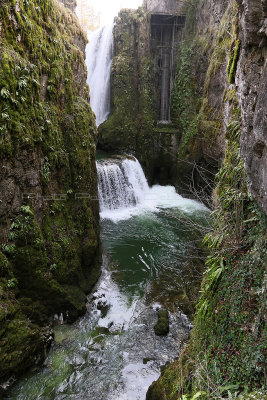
(99, 54)
(121, 184)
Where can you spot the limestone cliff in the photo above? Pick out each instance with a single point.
(49, 223)
(252, 92)
(221, 80)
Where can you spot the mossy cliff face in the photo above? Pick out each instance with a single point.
(225, 354)
(129, 127)
(199, 109)
(229, 48)
(49, 227)
(192, 147)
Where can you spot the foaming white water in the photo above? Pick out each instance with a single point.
(136, 379)
(99, 54)
(121, 184)
(124, 192)
(120, 312)
(131, 322)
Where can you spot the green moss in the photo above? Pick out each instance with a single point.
(162, 326)
(42, 272)
(225, 355)
(49, 258)
(228, 320)
(186, 99)
(196, 111)
(21, 340)
(233, 60)
(31, 109)
(129, 127)
(4, 266)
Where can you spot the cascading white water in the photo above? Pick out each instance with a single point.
(99, 55)
(123, 191)
(121, 184)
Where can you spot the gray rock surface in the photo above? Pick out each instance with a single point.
(251, 81)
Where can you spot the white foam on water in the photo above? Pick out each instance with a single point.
(120, 312)
(124, 192)
(136, 379)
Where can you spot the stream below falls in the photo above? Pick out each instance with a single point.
(149, 261)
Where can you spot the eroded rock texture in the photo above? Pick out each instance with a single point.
(252, 89)
(221, 80)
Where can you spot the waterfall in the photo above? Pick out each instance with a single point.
(121, 184)
(123, 192)
(99, 55)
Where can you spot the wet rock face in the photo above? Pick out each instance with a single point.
(252, 17)
(207, 147)
(252, 90)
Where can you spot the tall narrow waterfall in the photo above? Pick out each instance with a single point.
(121, 184)
(99, 54)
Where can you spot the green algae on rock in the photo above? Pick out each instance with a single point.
(162, 326)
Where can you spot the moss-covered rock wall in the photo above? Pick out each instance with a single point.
(49, 227)
(199, 106)
(129, 128)
(191, 148)
(225, 356)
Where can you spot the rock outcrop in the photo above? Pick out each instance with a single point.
(49, 217)
(252, 92)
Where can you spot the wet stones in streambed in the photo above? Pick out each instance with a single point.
(103, 307)
(163, 325)
(147, 360)
(101, 304)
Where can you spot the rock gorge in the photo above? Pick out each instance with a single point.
(213, 148)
